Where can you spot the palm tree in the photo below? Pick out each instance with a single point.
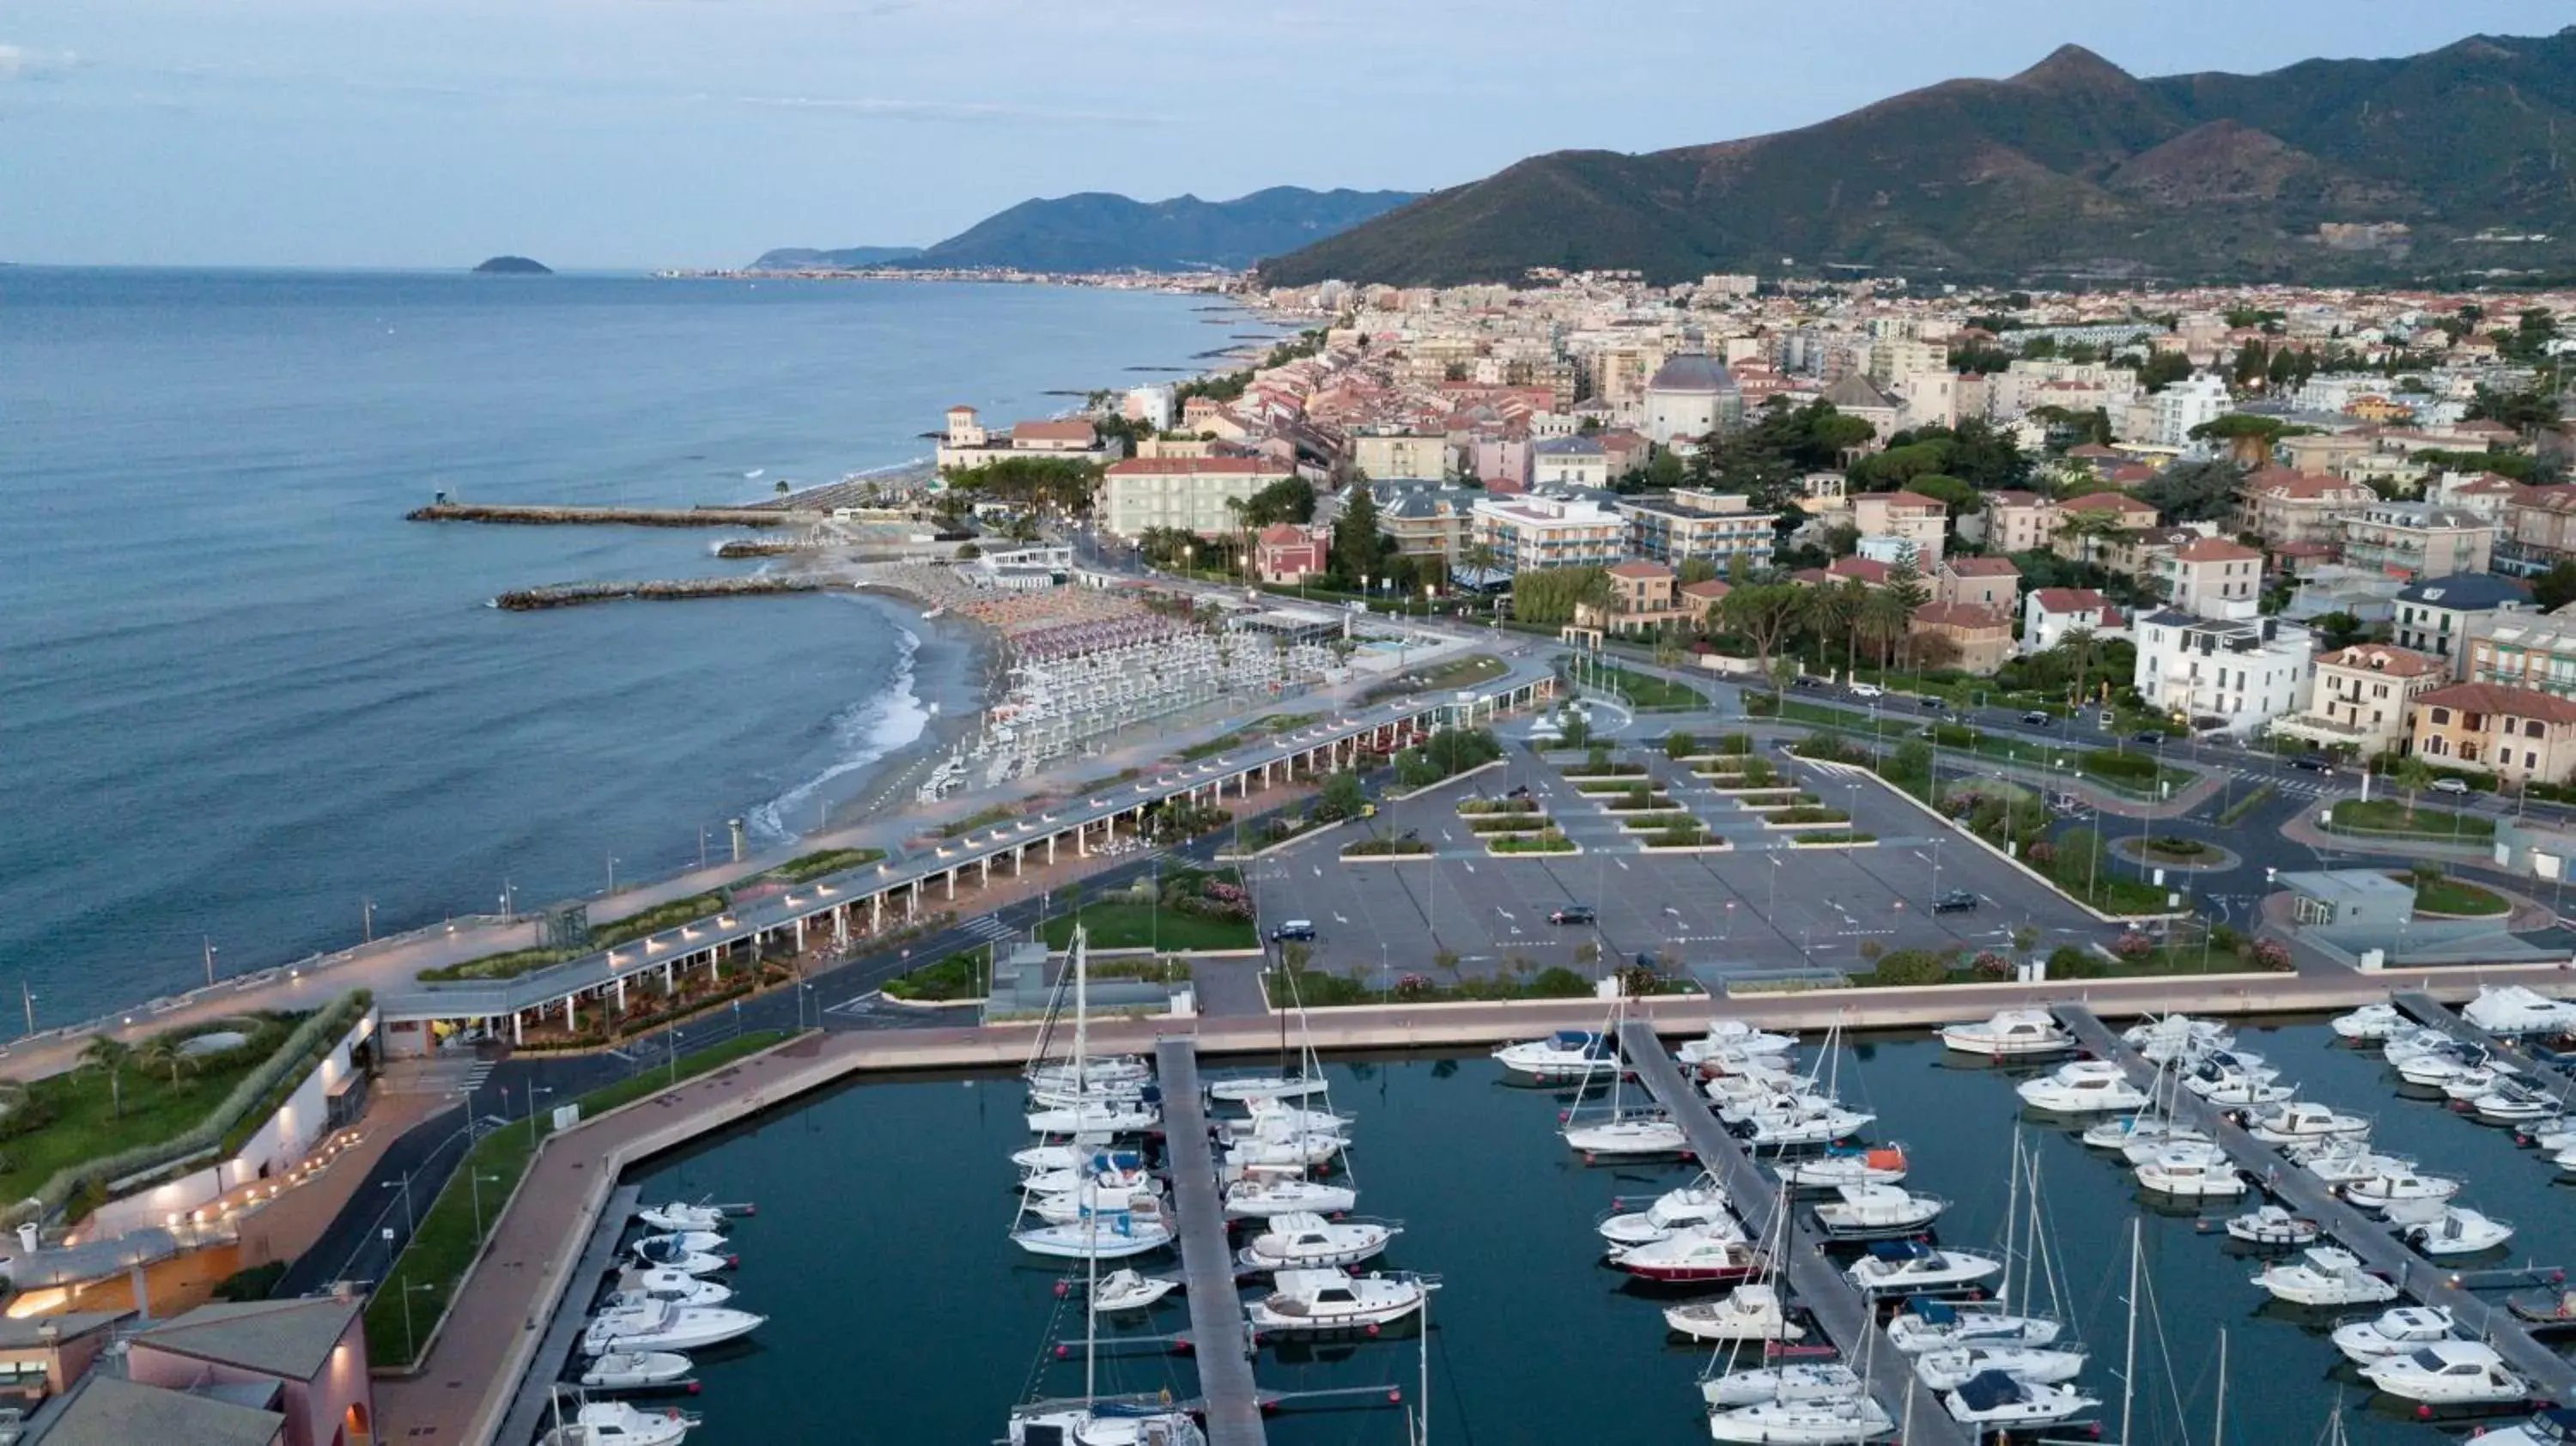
(162, 1051)
(1883, 619)
(2414, 775)
(110, 1055)
(2080, 645)
(1831, 607)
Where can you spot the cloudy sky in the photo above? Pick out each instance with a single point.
(639, 133)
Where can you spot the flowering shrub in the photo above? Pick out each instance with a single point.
(2134, 945)
(1991, 965)
(2042, 855)
(2272, 954)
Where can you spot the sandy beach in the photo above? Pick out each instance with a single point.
(956, 671)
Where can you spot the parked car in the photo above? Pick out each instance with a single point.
(1572, 914)
(2450, 785)
(1867, 690)
(2147, 735)
(2037, 717)
(1955, 901)
(1521, 792)
(1932, 705)
(2313, 762)
(1810, 680)
(1299, 931)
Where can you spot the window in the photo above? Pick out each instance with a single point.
(2441, 716)
(2532, 729)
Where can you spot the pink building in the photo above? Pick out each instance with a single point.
(313, 1349)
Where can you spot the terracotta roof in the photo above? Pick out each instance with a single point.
(2282, 482)
(2015, 499)
(1960, 615)
(2508, 702)
(289, 1339)
(1198, 466)
(1866, 569)
(2070, 599)
(2216, 549)
(1640, 569)
(2560, 498)
(2106, 502)
(1054, 432)
(1915, 499)
(1285, 534)
(1980, 567)
(1709, 591)
(2378, 658)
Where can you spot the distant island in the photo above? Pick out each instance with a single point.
(1098, 232)
(514, 266)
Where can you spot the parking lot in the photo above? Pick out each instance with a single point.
(1760, 907)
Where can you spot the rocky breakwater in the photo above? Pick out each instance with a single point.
(542, 516)
(575, 594)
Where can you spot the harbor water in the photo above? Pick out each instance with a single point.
(899, 1310)
(245, 702)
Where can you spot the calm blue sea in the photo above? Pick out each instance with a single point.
(239, 694)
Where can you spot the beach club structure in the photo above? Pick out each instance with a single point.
(892, 894)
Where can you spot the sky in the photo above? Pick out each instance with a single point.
(650, 133)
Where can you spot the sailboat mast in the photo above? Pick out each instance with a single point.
(1091, 1211)
(2012, 1217)
(2218, 1426)
(1423, 1406)
(2129, 1361)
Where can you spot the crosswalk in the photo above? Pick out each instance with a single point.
(475, 1077)
(2307, 785)
(988, 928)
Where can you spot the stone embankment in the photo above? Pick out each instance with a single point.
(759, 547)
(602, 516)
(575, 594)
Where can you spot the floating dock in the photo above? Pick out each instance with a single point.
(1812, 1276)
(2552, 1375)
(1232, 1401)
(531, 1410)
(2433, 1012)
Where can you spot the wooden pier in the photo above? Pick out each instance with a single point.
(1223, 1341)
(1819, 1285)
(2551, 1374)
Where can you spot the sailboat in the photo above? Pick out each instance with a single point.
(1095, 1231)
(1622, 1136)
(1921, 1326)
(1091, 1420)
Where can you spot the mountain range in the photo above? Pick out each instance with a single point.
(1096, 231)
(2328, 169)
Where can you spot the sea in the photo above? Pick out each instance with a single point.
(899, 1309)
(244, 704)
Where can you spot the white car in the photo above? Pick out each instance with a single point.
(1872, 690)
(2449, 785)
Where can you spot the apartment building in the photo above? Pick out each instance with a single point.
(1917, 520)
(1968, 637)
(2282, 506)
(1570, 462)
(1425, 521)
(2084, 524)
(2013, 522)
(2242, 673)
(2536, 651)
(2514, 733)
(1528, 533)
(1642, 599)
(2418, 540)
(2050, 613)
(1687, 523)
(1986, 582)
(2539, 530)
(2434, 617)
(1188, 493)
(2182, 406)
(1401, 454)
(2211, 578)
(2364, 697)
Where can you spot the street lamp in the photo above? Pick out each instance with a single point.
(612, 873)
(410, 1347)
(367, 920)
(675, 1056)
(210, 958)
(474, 1182)
(404, 1185)
(534, 1090)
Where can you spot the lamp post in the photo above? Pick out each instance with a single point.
(404, 1185)
(367, 921)
(474, 1181)
(411, 1347)
(612, 873)
(533, 1091)
(675, 1056)
(210, 958)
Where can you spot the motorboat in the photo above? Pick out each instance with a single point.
(2441, 1066)
(1734, 1036)
(2009, 1034)
(1810, 1381)
(1142, 1422)
(1702, 1255)
(1568, 1054)
(1701, 1202)
(2273, 1226)
(2347, 1161)
(1092, 1069)
(2228, 1078)
(1246, 1089)
(2449, 1373)
(1633, 1137)
(1109, 1235)
(1877, 1212)
(1997, 1401)
(2553, 1427)
(2515, 1102)
(1098, 1172)
(1808, 1121)
(677, 1217)
(634, 1371)
(617, 1423)
(2565, 1161)
(2082, 1087)
(1844, 1165)
(1093, 1199)
(1842, 1421)
(1725, 1063)
(1934, 1325)
(1306, 1241)
(2172, 1037)
(1311, 1302)
(2190, 1172)
(2122, 1131)
(1301, 1152)
(1750, 1312)
(679, 1242)
(2465, 1088)
(2370, 1024)
(664, 1326)
(1948, 1370)
(1096, 1117)
(2295, 1121)
(1266, 1195)
(2548, 1136)
(2451, 1230)
(2544, 1310)
(2381, 1191)
(661, 1282)
(2393, 1332)
(671, 1252)
(1906, 1267)
(1282, 1122)
(2325, 1275)
(1081, 1153)
(2518, 1009)
(1095, 1092)
(2151, 1143)
(1124, 1289)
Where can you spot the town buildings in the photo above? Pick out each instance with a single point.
(1691, 397)
(2364, 698)
(2518, 734)
(2211, 578)
(968, 444)
(1686, 524)
(2418, 540)
(1919, 523)
(1540, 532)
(2228, 675)
(1184, 493)
(2048, 614)
(2534, 651)
(2282, 506)
(2433, 617)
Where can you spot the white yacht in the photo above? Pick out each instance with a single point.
(1947, 1370)
(2273, 1225)
(1822, 1381)
(1068, 1206)
(2449, 1373)
(1099, 1172)
(1634, 1137)
(2344, 1162)
(2515, 1102)
(1086, 1152)
(2399, 1186)
(1315, 1302)
(1750, 1312)
(1118, 1235)
(2325, 1275)
(637, 1284)
(662, 1326)
(1265, 1195)
(2190, 1172)
(1125, 1290)
(1844, 1165)
(2010, 1034)
(1906, 1267)
(2147, 1126)
(634, 1371)
(1283, 1122)
(2082, 1087)
(2173, 1037)
(1098, 1117)
(677, 1217)
(2294, 1122)
(1245, 1089)
(615, 1423)
(1996, 1401)
(1810, 1121)
(1934, 1325)
(2228, 1078)
(1878, 1212)
(1843, 1421)
(2392, 1332)
(1711, 1254)
(674, 1253)
(1576, 1055)
(1734, 1038)
(2553, 1427)
(2448, 1229)
(1309, 1242)
(1104, 1423)
(1291, 1152)
(1701, 1202)
(2371, 1023)
(2518, 1009)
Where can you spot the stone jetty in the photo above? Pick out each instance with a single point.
(575, 594)
(542, 516)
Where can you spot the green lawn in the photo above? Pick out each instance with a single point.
(2442, 895)
(959, 976)
(1645, 690)
(1142, 926)
(655, 919)
(1955, 738)
(2390, 815)
(75, 1116)
(816, 865)
(981, 818)
(446, 1241)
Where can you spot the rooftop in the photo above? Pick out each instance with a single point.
(2468, 591)
(105, 1410)
(1692, 373)
(1980, 567)
(2508, 702)
(290, 1339)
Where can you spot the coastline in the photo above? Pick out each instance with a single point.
(955, 667)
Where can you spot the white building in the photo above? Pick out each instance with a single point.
(2184, 405)
(1569, 462)
(1543, 532)
(1151, 405)
(1690, 397)
(2241, 672)
(1187, 493)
